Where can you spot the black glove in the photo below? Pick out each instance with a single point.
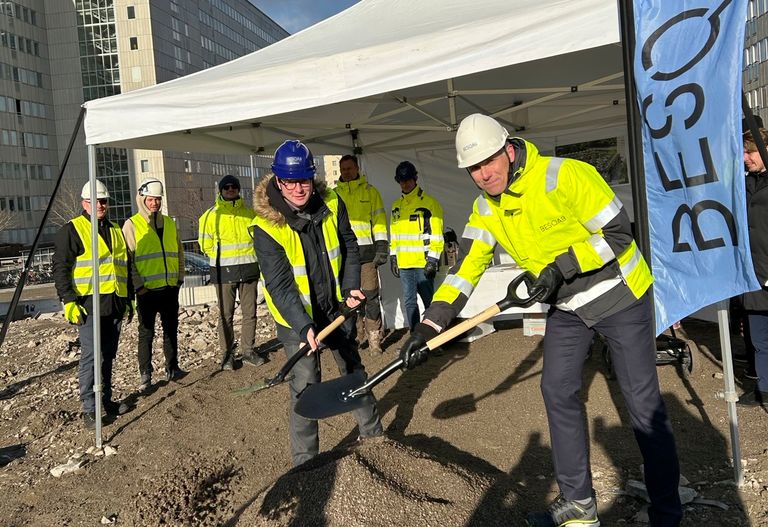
(546, 285)
(430, 269)
(415, 350)
(393, 266)
(382, 253)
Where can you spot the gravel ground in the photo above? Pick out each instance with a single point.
(466, 440)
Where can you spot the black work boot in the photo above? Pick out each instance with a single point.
(255, 359)
(115, 408)
(754, 398)
(89, 420)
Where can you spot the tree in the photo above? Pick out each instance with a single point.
(67, 204)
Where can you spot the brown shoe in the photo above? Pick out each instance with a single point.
(374, 342)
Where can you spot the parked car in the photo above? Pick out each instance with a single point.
(197, 265)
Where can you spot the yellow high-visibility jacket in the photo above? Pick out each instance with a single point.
(224, 238)
(416, 229)
(555, 211)
(113, 266)
(366, 212)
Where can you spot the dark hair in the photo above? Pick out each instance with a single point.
(349, 157)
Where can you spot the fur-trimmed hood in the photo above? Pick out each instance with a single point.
(264, 208)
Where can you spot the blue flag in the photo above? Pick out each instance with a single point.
(687, 66)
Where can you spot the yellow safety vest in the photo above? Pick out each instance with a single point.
(365, 208)
(156, 262)
(416, 229)
(290, 241)
(113, 267)
(223, 233)
(556, 205)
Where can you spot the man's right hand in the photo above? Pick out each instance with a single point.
(393, 266)
(309, 336)
(75, 313)
(415, 351)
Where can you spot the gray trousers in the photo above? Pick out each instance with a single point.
(305, 442)
(633, 349)
(226, 293)
(110, 334)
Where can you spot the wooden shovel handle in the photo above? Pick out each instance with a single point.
(458, 329)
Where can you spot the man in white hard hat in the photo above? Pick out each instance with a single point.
(559, 220)
(157, 272)
(73, 276)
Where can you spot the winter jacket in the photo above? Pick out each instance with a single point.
(557, 211)
(159, 237)
(366, 215)
(224, 238)
(416, 228)
(279, 232)
(757, 219)
(68, 246)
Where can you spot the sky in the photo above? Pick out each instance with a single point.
(295, 15)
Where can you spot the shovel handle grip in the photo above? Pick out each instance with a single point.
(290, 363)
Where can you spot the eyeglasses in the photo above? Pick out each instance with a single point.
(230, 186)
(291, 184)
(101, 201)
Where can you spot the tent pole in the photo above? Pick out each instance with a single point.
(730, 389)
(634, 136)
(43, 221)
(95, 313)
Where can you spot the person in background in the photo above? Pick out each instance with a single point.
(416, 228)
(157, 273)
(369, 223)
(73, 277)
(310, 265)
(756, 302)
(224, 238)
(560, 221)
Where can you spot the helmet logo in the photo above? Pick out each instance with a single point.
(293, 160)
(470, 145)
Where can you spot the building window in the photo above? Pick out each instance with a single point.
(145, 165)
(188, 166)
(134, 42)
(131, 12)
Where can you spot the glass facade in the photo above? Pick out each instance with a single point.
(101, 78)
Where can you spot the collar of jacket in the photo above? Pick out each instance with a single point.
(314, 211)
(222, 203)
(413, 195)
(359, 181)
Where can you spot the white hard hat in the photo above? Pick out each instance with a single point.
(151, 187)
(101, 190)
(478, 138)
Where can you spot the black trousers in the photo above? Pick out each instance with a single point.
(166, 303)
(633, 349)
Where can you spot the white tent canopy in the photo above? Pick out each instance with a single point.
(402, 73)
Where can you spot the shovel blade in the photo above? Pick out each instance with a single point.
(326, 399)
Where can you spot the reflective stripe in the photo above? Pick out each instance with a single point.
(102, 278)
(599, 220)
(149, 256)
(434, 237)
(483, 207)
(585, 297)
(334, 253)
(299, 270)
(628, 267)
(434, 254)
(459, 283)
(602, 248)
(206, 236)
(364, 240)
(553, 168)
(88, 263)
(118, 261)
(476, 233)
(236, 260)
(160, 276)
(306, 300)
(380, 236)
(378, 211)
(408, 237)
(411, 249)
(231, 246)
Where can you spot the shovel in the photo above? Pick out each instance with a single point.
(345, 394)
(290, 363)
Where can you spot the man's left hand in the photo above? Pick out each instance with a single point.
(130, 310)
(430, 269)
(547, 283)
(355, 298)
(415, 350)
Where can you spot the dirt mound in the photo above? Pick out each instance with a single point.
(379, 482)
(194, 492)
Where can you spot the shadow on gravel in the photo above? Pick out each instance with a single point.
(12, 389)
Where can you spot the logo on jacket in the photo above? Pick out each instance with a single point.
(551, 223)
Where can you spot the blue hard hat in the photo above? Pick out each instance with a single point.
(293, 160)
(405, 171)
